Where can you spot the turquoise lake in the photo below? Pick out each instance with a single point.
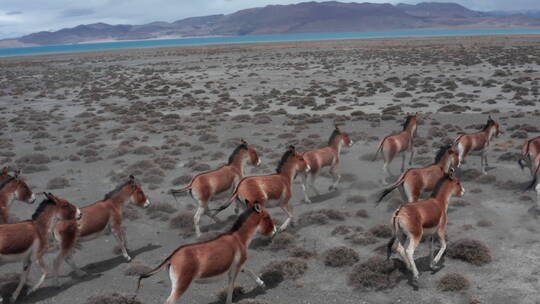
(256, 38)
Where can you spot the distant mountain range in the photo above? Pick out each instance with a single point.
(307, 17)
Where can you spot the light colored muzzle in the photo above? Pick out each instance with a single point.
(32, 199)
(78, 214)
(351, 143)
(146, 204)
(462, 191)
(308, 168)
(258, 162)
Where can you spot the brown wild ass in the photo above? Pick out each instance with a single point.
(225, 254)
(392, 145)
(103, 214)
(27, 241)
(530, 149)
(536, 176)
(428, 217)
(205, 186)
(276, 186)
(13, 187)
(478, 141)
(324, 157)
(416, 181)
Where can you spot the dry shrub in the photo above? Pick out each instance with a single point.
(238, 291)
(272, 278)
(156, 209)
(342, 229)
(484, 223)
(301, 252)
(381, 231)
(363, 239)
(181, 180)
(362, 213)
(453, 282)
(508, 185)
(282, 240)
(486, 179)
(292, 268)
(183, 220)
(58, 183)
(136, 270)
(357, 199)
(34, 159)
(340, 256)
(112, 298)
(468, 175)
(470, 251)
(374, 274)
(201, 167)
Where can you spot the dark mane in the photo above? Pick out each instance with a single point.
(333, 136)
(439, 184)
(113, 192)
(407, 121)
(241, 219)
(441, 152)
(489, 123)
(7, 181)
(242, 146)
(42, 206)
(284, 160)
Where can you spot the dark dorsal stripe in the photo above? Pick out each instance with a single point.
(242, 219)
(283, 160)
(335, 134)
(6, 182)
(236, 151)
(407, 121)
(441, 152)
(439, 185)
(42, 206)
(115, 190)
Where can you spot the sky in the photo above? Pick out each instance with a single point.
(20, 17)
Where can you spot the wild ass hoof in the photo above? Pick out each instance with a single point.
(307, 201)
(414, 282)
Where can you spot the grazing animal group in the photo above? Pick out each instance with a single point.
(227, 253)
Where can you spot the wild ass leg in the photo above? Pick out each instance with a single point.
(413, 243)
(24, 276)
(441, 234)
(197, 218)
(254, 277)
(233, 273)
(179, 284)
(412, 153)
(387, 159)
(285, 206)
(403, 255)
(313, 177)
(44, 272)
(304, 190)
(118, 232)
(336, 176)
(403, 157)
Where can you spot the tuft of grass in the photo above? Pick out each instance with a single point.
(374, 274)
(238, 291)
(112, 298)
(136, 270)
(471, 251)
(340, 256)
(282, 240)
(58, 183)
(453, 282)
(292, 268)
(182, 220)
(381, 231)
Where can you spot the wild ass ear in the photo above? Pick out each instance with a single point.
(336, 126)
(243, 142)
(292, 148)
(17, 173)
(131, 179)
(257, 207)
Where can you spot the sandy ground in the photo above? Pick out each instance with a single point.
(78, 124)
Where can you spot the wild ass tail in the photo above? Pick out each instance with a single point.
(535, 179)
(151, 273)
(395, 231)
(228, 203)
(386, 191)
(379, 149)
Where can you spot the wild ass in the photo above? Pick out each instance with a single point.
(28, 241)
(205, 186)
(225, 254)
(427, 217)
(13, 187)
(324, 157)
(478, 141)
(276, 186)
(103, 214)
(416, 181)
(392, 145)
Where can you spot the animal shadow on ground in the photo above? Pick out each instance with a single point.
(325, 196)
(94, 271)
(422, 264)
(257, 291)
